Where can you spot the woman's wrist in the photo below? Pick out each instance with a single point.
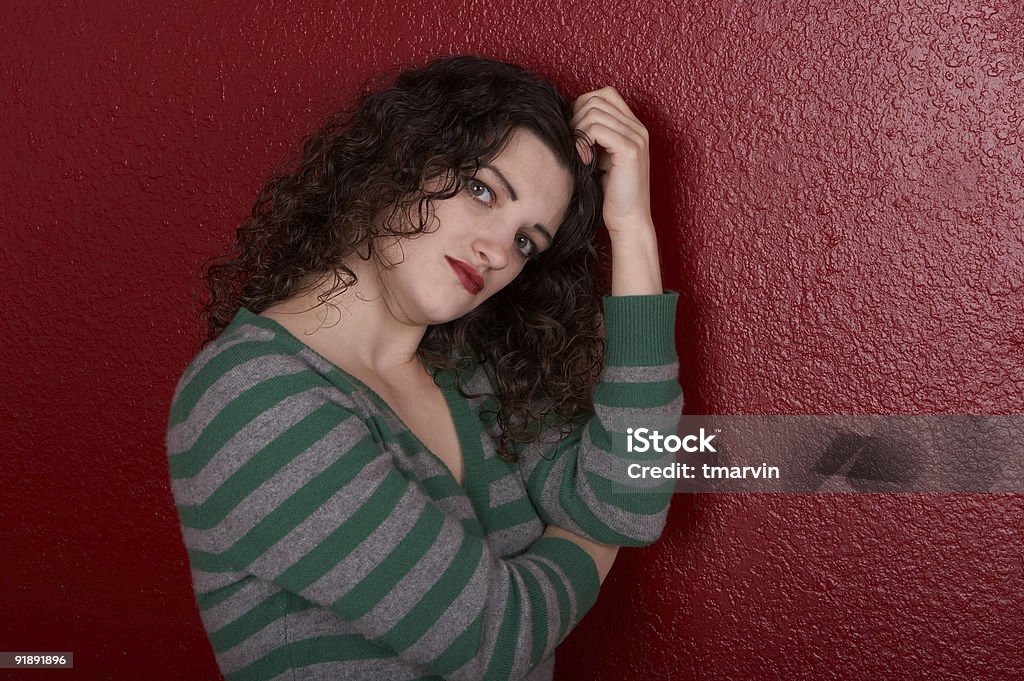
(636, 267)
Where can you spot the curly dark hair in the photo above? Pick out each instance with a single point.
(540, 336)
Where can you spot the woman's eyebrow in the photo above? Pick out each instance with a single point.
(512, 195)
(540, 228)
(508, 187)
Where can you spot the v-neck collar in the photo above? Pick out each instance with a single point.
(468, 428)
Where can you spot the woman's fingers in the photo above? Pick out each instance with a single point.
(611, 132)
(608, 95)
(605, 107)
(621, 144)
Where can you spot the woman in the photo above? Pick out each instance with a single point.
(394, 458)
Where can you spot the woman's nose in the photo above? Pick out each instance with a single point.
(490, 251)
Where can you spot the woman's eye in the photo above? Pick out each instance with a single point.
(526, 246)
(480, 191)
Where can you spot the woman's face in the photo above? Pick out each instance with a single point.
(484, 236)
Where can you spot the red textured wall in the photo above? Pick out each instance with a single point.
(839, 195)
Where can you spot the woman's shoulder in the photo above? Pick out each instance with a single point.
(254, 358)
(254, 384)
(248, 340)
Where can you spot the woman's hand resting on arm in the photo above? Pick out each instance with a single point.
(623, 154)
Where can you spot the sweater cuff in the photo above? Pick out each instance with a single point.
(576, 564)
(640, 330)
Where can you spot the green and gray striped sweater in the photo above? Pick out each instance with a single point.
(326, 542)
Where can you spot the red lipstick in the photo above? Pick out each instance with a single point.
(468, 276)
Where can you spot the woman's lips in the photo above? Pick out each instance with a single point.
(470, 278)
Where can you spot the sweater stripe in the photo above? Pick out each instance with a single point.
(254, 620)
(565, 606)
(205, 601)
(511, 514)
(539, 635)
(294, 509)
(441, 487)
(462, 649)
(223, 375)
(309, 651)
(648, 502)
(208, 561)
(290, 451)
(437, 599)
(637, 395)
(315, 564)
(379, 582)
(255, 591)
(504, 653)
(189, 459)
(231, 337)
(246, 443)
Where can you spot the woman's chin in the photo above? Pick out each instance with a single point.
(441, 314)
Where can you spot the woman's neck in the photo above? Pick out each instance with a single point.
(354, 329)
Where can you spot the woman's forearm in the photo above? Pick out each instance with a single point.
(636, 268)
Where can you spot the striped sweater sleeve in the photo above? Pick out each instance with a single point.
(273, 477)
(581, 483)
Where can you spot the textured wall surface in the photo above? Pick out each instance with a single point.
(838, 191)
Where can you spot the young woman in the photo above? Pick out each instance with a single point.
(396, 456)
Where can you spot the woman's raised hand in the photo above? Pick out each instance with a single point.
(622, 153)
(621, 145)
